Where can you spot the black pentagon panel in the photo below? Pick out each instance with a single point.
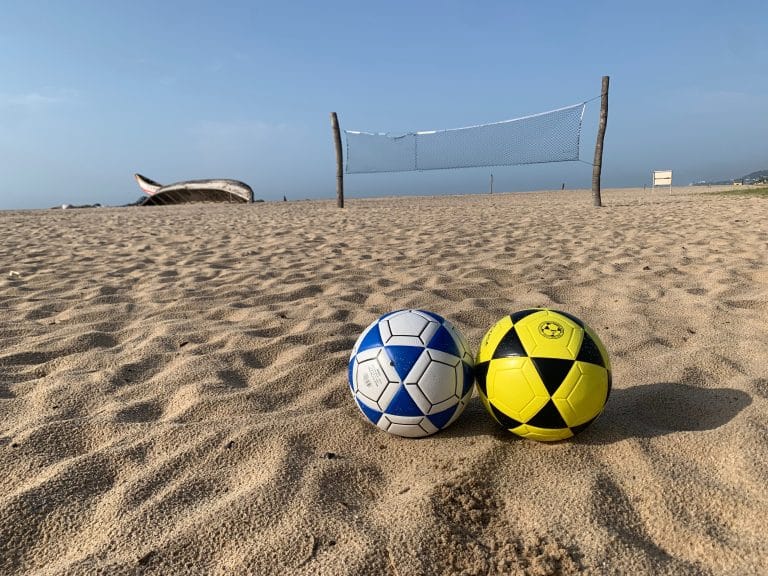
(610, 385)
(548, 417)
(576, 320)
(580, 427)
(589, 351)
(510, 346)
(503, 419)
(481, 373)
(552, 371)
(517, 316)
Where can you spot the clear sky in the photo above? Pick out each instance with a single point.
(93, 91)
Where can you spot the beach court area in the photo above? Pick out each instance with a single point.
(174, 397)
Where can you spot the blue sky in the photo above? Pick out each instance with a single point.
(94, 91)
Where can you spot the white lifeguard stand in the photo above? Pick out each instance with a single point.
(662, 178)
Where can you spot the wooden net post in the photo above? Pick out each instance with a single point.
(339, 160)
(598, 163)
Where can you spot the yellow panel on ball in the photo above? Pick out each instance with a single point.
(515, 388)
(583, 393)
(542, 434)
(548, 334)
(492, 338)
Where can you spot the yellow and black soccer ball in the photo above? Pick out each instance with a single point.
(543, 374)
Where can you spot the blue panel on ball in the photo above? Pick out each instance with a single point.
(370, 413)
(403, 405)
(403, 358)
(441, 418)
(371, 340)
(443, 341)
(350, 368)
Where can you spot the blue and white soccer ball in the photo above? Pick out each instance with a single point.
(411, 373)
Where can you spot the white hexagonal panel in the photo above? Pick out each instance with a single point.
(407, 328)
(435, 382)
(375, 380)
(408, 426)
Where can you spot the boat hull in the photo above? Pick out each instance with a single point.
(194, 191)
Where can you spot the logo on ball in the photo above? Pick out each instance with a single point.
(551, 329)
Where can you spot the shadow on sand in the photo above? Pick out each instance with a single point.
(646, 411)
(655, 410)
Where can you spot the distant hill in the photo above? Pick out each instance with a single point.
(758, 177)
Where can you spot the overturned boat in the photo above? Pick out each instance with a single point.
(193, 191)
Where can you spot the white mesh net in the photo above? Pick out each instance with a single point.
(547, 137)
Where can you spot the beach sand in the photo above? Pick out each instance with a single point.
(173, 393)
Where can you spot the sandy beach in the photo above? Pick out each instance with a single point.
(174, 398)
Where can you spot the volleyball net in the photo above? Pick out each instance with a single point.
(552, 136)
